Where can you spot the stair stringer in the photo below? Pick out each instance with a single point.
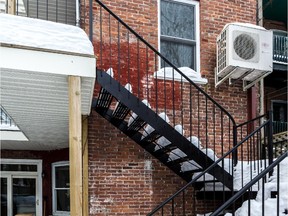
(161, 126)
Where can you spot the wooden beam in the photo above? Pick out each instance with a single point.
(11, 7)
(75, 146)
(85, 164)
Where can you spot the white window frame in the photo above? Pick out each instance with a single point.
(54, 199)
(197, 36)
(37, 175)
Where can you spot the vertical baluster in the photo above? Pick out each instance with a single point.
(128, 62)
(37, 9)
(101, 40)
(278, 189)
(172, 209)
(17, 7)
(165, 96)
(66, 11)
(206, 124)
(173, 96)
(118, 56)
(191, 110)
(183, 203)
(156, 84)
(56, 10)
(90, 20)
(46, 9)
(182, 102)
(110, 41)
(138, 67)
(147, 74)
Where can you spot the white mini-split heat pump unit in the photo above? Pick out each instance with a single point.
(244, 51)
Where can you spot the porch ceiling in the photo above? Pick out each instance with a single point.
(34, 89)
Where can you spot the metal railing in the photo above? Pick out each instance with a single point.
(279, 127)
(267, 195)
(133, 60)
(136, 62)
(214, 194)
(280, 47)
(62, 11)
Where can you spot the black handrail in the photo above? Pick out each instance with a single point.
(194, 180)
(252, 120)
(269, 169)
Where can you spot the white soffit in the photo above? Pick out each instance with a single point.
(35, 62)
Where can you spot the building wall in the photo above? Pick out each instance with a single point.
(123, 178)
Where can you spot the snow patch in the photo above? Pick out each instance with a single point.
(162, 141)
(37, 33)
(149, 129)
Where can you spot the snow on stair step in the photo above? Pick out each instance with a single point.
(177, 153)
(162, 141)
(149, 129)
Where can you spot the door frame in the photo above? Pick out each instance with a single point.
(18, 174)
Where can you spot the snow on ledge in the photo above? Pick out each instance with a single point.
(36, 33)
(167, 74)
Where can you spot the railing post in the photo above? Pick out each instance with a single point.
(91, 21)
(270, 140)
(235, 153)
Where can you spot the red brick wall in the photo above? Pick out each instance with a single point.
(120, 180)
(123, 178)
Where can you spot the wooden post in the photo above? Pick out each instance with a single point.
(75, 146)
(85, 164)
(11, 7)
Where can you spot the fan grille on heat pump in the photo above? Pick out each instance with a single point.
(245, 46)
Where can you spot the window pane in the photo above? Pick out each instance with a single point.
(181, 55)
(177, 20)
(63, 200)
(18, 167)
(24, 196)
(62, 177)
(3, 189)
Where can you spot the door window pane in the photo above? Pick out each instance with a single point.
(24, 196)
(3, 189)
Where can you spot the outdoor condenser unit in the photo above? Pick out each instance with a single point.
(244, 51)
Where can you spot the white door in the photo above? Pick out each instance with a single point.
(20, 191)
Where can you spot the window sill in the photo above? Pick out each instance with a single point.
(167, 74)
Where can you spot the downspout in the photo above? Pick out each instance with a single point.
(77, 13)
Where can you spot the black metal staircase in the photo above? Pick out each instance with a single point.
(112, 90)
(220, 145)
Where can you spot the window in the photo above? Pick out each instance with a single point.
(179, 32)
(60, 187)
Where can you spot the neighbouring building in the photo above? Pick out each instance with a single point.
(94, 121)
